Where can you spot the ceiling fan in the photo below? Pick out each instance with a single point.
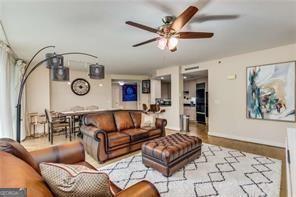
(169, 32)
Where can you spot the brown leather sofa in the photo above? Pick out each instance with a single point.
(110, 134)
(20, 169)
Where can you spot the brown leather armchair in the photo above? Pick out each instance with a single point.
(20, 169)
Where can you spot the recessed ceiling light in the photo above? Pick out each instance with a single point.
(162, 78)
(185, 77)
(69, 83)
(121, 83)
(101, 85)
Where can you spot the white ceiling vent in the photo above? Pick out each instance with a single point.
(192, 68)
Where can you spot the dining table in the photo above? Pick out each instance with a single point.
(71, 115)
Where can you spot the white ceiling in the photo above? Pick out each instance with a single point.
(98, 27)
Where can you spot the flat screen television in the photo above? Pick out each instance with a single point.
(129, 92)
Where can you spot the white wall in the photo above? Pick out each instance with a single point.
(62, 97)
(37, 95)
(165, 90)
(117, 98)
(38, 91)
(117, 92)
(227, 98)
(43, 93)
(172, 112)
(155, 90)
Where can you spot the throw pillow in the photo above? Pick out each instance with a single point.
(75, 180)
(148, 120)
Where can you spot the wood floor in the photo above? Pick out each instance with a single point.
(196, 130)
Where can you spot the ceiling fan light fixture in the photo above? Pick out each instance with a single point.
(172, 43)
(162, 43)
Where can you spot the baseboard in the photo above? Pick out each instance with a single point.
(247, 139)
(172, 128)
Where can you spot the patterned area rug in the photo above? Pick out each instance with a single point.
(218, 172)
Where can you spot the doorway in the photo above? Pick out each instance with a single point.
(195, 86)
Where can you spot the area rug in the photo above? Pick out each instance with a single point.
(218, 172)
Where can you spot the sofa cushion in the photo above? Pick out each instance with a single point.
(75, 180)
(136, 134)
(117, 139)
(148, 120)
(16, 173)
(123, 120)
(136, 116)
(104, 121)
(152, 131)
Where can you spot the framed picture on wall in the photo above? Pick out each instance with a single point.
(146, 86)
(271, 92)
(129, 92)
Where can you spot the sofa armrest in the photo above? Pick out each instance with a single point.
(114, 189)
(95, 142)
(160, 123)
(140, 189)
(70, 153)
(93, 132)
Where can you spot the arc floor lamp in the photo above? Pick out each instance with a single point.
(58, 73)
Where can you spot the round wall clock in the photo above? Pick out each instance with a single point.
(80, 87)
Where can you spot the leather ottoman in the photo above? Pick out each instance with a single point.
(170, 153)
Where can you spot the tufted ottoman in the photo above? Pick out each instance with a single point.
(170, 153)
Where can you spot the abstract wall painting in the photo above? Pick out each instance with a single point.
(271, 92)
(129, 92)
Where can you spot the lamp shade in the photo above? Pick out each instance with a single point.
(162, 43)
(172, 43)
(54, 61)
(96, 71)
(60, 73)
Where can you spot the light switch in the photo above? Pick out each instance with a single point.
(231, 77)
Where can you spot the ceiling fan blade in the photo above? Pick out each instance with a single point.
(203, 18)
(146, 42)
(193, 35)
(183, 18)
(144, 27)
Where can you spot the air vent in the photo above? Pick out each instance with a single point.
(192, 68)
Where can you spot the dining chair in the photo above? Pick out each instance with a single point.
(57, 125)
(34, 120)
(153, 108)
(76, 119)
(145, 108)
(158, 109)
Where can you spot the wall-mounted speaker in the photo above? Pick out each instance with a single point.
(60, 73)
(96, 71)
